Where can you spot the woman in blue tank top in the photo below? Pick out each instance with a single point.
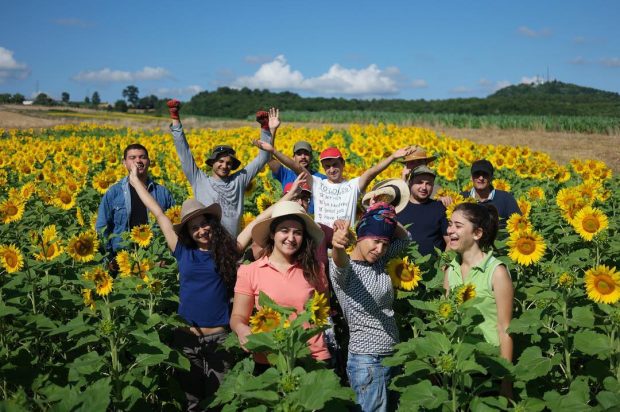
(207, 259)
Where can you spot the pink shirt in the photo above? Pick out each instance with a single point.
(286, 289)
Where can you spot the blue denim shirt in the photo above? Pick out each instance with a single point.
(115, 209)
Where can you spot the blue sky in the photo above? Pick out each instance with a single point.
(361, 49)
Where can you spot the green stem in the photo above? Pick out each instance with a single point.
(567, 357)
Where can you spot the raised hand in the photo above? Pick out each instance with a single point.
(173, 107)
(405, 151)
(274, 119)
(299, 180)
(133, 176)
(340, 239)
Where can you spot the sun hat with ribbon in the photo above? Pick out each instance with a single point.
(192, 208)
(260, 232)
(393, 191)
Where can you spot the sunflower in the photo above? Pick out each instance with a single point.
(263, 201)
(64, 199)
(142, 235)
(501, 184)
(11, 258)
(319, 306)
(174, 214)
(82, 247)
(101, 182)
(265, 320)
(79, 216)
(155, 286)
(123, 260)
(141, 269)
(566, 280)
(465, 292)
(445, 310)
(48, 251)
(404, 274)
(11, 210)
(517, 223)
(103, 281)
(87, 294)
(246, 219)
(524, 206)
(603, 284)
(536, 193)
(526, 247)
(589, 221)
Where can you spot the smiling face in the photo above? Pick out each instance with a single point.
(139, 158)
(199, 229)
(462, 233)
(303, 157)
(287, 237)
(222, 166)
(333, 169)
(421, 187)
(370, 250)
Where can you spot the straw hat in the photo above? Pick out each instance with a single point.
(417, 154)
(396, 189)
(192, 208)
(260, 232)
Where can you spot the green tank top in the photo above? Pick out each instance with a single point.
(481, 276)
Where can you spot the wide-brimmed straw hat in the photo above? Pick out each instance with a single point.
(224, 150)
(192, 208)
(260, 232)
(417, 154)
(396, 190)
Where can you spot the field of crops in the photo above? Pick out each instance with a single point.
(74, 338)
(570, 124)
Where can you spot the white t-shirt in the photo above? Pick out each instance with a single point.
(334, 200)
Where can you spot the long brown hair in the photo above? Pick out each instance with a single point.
(223, 246)
(305, 255)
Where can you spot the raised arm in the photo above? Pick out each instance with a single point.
(281, 157)
(340, 241)
(268, 126)
(151, 204)
(371, 173)
(188, 164)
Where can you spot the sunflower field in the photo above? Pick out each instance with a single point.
(72, 337)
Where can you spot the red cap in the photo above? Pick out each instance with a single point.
(303, 186)
(331, 153)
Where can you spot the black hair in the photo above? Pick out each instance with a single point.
(482, 216)
(224, 248)
(305, 255)
(134, 146)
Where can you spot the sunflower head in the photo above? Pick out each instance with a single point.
(404, 274)
(517, 223)
(603, 284)
(589, 222)
(174, 214)
(526, 247)
(566, 280)
(142, 235)
(265, 320)
(11, 210)
(445, 310)
(465, 292)
(82, 247)
(319, 309)
(11, 258)
(89, 302)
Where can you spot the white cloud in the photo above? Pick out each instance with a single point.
(532, 80)
(178, 91)
(611, 62)
(419, 84)
(278, 75)
(528, 32)
(110, 76)
(10, 68)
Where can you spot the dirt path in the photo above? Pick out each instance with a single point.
(560, 146)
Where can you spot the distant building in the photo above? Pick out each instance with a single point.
(27, 102)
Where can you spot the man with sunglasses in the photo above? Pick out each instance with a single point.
(483, 191)
(222, 186)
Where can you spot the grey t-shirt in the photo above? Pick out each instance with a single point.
(229, 192)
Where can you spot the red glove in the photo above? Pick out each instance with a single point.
(173, 108)
(262, 117)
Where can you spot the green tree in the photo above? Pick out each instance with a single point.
(65, 97)
(87, 100)
(95, 99)
(120, 106)
(131, 94)
(43, 100)
(148, 102)
(17, 98)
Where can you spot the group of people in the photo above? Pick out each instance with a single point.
(298, 247)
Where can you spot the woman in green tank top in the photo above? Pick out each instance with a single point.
(472, 229)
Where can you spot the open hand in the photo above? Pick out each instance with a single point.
(263, 146)
(274, 118)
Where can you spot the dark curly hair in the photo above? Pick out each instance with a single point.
(224, 248)
(305, 255)
(483, 216)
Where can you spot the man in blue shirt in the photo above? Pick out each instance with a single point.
(302, 154)
(483, 191)
(121, 208)
(424, 218)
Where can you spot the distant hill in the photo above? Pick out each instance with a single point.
(551, 98)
